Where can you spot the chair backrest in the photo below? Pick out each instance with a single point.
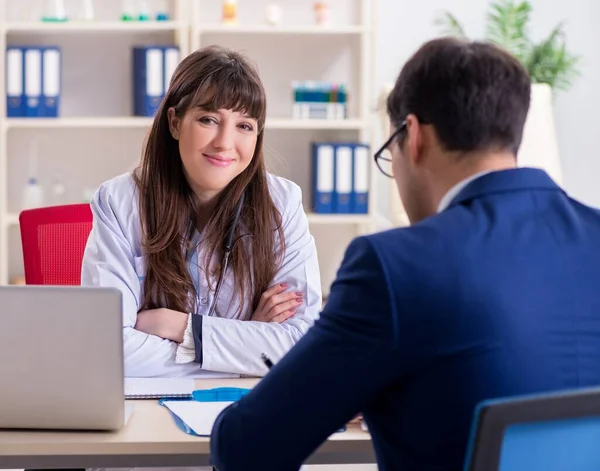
(550, 432)
(53, 241)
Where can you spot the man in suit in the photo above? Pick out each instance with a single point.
(491, 292)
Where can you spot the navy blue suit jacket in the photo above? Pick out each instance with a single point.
(497, 295)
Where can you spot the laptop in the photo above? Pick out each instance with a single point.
(61, 358)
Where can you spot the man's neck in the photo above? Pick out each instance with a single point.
(465, 166)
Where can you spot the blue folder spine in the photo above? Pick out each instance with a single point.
(51, 81)
(343, 179)
(148, 79)
(33, 82)
(360, 179)
(323, 176)
(15, 82)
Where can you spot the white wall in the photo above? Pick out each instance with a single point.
(404, 26)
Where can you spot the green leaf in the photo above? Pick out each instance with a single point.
(507, 26)
(549, 62)
(449, 25)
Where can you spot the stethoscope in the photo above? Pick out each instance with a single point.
(228, 245)
(227, 248)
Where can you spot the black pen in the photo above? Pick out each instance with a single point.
(266, 360)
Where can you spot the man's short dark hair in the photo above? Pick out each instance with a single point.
(475, 94)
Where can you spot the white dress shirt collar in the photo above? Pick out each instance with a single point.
(456, 189)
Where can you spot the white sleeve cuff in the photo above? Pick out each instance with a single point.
(186, 353)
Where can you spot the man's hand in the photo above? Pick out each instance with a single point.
(163, 322)
(276, 305)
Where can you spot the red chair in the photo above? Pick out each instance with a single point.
(53, 241)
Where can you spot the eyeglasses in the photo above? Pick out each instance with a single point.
(383, 158)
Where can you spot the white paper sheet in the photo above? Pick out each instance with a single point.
(198, 416)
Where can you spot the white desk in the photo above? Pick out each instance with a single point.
(150, 438)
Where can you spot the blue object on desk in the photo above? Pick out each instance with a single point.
(180, 423)
(224, 394)
(219, 394)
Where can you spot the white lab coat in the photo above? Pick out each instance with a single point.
(114, 257)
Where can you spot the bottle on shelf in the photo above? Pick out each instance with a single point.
(143, 10)
(322, 13)
(230, 16)
(33, 194)
(128, 11)
(162, 12)
(88, 194)
(58, 191)
(86, 10)
(54, 11)
(273, 14)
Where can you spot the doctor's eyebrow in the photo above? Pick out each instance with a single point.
(200, 108)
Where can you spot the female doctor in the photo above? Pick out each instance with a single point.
(212, 254)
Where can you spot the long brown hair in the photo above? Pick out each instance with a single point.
(211, 78)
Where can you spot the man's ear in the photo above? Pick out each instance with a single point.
(174, 123)
(414, 139)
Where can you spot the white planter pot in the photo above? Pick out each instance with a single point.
(539, 147)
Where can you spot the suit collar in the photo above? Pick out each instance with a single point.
(505, 181)
(456, 189)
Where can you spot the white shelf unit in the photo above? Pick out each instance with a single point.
(11, 219)
(88, 121)
(287, 30)
(83, 27)
(78, 122)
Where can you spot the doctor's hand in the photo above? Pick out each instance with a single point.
(162, 322)
(277, 306)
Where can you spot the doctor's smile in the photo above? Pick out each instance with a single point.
(218, 160)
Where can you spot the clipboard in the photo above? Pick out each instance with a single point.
(223, 394)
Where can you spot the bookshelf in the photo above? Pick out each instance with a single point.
(96, 137)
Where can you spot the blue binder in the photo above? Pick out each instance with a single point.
(15, 82)
(51, 81)
(323, 175)
(148, 80)
(171, 60)
(360, 179)
(33, 82)
(343, 179)
(153, 67)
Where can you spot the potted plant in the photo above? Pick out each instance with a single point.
(547, 61)
(549, 64)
